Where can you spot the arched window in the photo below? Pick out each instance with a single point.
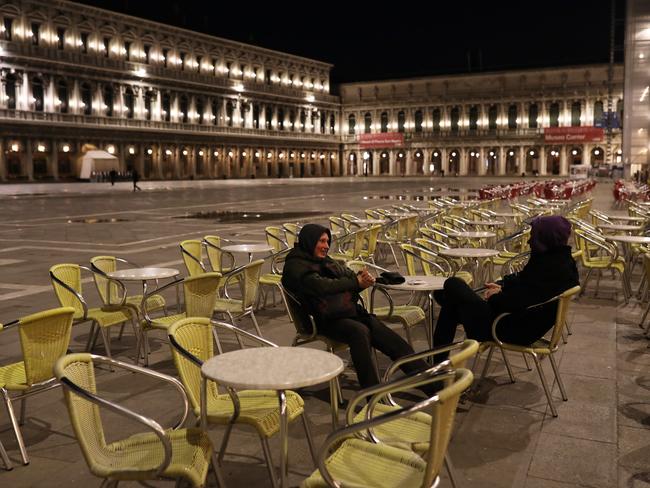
(455, 118)
(435, 116)
(292, 120)
(62, 96)
(215, 111)
(418, 121)
(107, 94)
(332, 124)
(401, 121)
(303, 121)
(599, 120)
(512, 117)
(367, 123)
(87, 98)
(533, 113)
(492, 117)
(280, 118)
(243, 108)
(554, 115)
(38, 94)
(229, 111)
(268, 116)
(256, 116)
(10, 88)
(575, 114)
(149, 96)
(183, 105)
(166, 107)
(384, 122)
(473, 118)
(128, 103)
(352, 122)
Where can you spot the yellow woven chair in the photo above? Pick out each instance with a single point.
(360, 463)
(338, 226)
(275, 238)
(512, 245)
(413, 432)
(191, 341)
(350, 246)
(236, 308)
(192, 254)
(272, 280)
(217, 256)
(370, 246)
(540, 348)
(598, 255)
(109, 291)
(159, 453)
(291, 231)
(200, 294)
(44, 338)
(66, 280)
(408, 316)
(435, 247)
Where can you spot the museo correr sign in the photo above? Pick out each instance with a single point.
(573, 134)
(382, 140)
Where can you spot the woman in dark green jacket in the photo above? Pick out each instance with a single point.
(330, 291)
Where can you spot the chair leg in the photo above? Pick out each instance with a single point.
(558, 378)
(586, 281)
(232, 321)
(523, 355)
(568, 329)
(23, 408)
(91, 334)
(224, 442)
(14, 424)
(487, 362)
(269, 461)
(450, 471)
(310, 440)
(544, 385)
(508, 367)
(217, 471)
(5, 458)
(119, 336)
(217, 340)
(407, 333)
(257, 327)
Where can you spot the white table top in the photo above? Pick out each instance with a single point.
(623, 227)
(475, 235)
(418, 283)
(469, 252)
(495, 223)
(508, 214)
(272, 368)
(249, 248)
(367, 221)
(143, 274)
(626, 218)
(629, 239)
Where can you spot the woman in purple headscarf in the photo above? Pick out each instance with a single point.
(549, 271)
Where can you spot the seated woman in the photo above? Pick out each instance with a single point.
(550, 271)
(330, 291)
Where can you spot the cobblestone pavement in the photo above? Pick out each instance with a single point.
(504, 435)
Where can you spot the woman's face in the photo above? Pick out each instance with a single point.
(322, 246)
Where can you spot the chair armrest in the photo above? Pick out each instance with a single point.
(193, 258)
(74, 292)
(417, 356)
(241, 332)
(147, 295)
(230, 255)
(230, 276)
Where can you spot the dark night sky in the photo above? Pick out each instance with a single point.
(367, 42)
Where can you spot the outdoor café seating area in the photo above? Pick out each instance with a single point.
(205, 371)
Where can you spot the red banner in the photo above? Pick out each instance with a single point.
(573, 134)
(383, 140)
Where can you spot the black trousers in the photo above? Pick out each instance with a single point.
(364, 332)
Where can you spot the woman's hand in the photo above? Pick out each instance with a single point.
(492, 289)
(365, 279)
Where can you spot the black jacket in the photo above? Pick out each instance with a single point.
(545, 275)
(327, 288)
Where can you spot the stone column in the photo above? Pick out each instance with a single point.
(53, 159)
(522, 160)
(157, 160)
(28, 160)
(3, 160)
(26, 91)
(564, 163)
(463, 161)
(444, 160)
(482, 154)
(543, 153)
(501, 155)
(139, 159)
(586, 154)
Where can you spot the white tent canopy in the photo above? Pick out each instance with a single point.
(97, 161)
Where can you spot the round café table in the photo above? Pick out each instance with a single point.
(486, 223)
(626, 242)
(272, 368)
(620, 227)
(418, 283)
(249, 249)
(478, 255)
(145, 274)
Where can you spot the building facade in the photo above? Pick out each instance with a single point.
(173, 104)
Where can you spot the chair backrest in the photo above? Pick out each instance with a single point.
(410, 258)
(515, 264)
(290, 233)
(200, 294)
(108, 290)
(192, 254)
(249, 278)
(193, 335)
(458, 357)
(216, 255)
(44, 338)
(84, 415)
(70, 274)
(560, 316)
(275, 238)
(301, 319)
(338, 225)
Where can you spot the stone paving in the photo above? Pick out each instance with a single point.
(504, 436)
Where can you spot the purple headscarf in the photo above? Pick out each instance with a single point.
(549, 233)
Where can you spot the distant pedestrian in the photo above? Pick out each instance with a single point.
(136, 177)
(113, 176)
